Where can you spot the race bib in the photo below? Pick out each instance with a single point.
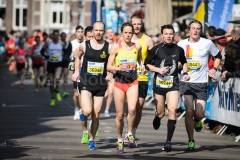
(54, 58)
(164, 81)
(194, 64)
(95, 68)
(130, 64)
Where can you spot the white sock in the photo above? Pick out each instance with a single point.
(120, 140)
(85, 131)
(129, 133)
(76, 109)
(106, 111)
(90, 139)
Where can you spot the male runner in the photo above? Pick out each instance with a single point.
(166, 81)
(197, 51)
(54, 50)
(92, 78)
(74, 44)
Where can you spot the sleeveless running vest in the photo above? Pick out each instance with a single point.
(144, 53)
(130, 59)
(55, 52)
(93, 71)
(21, 53)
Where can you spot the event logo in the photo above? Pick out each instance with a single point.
(228, 100)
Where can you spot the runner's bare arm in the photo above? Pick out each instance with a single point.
(149, 42)
(78, 53)
(113, 53)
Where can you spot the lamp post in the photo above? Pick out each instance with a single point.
(118, 8)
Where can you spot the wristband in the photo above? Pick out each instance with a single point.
(159, 70)
(215, 68)
(185, 73)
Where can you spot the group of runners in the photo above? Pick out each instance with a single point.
(120, 70)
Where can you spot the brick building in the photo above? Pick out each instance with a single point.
(46, 15)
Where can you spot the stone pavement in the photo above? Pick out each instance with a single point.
(31, 129)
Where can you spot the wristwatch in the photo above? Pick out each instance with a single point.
(215, 68)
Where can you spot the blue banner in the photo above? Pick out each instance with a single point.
(219, 13)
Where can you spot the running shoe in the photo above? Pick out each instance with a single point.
(106, 114)
(156, 122)
(21, 86)
(167, 147)
(36, 90)
(126, 139)
(76, 115)
(12, 66)
(198, 126)
(85, 138)
(132, 143)
(191, 145)
(120, 149)
(58, 96)
(92, 145)
(52, 102)
(65, 94)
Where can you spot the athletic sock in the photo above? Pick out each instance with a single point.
(85, 131)
(171, 127)
(129, 133)
(120, 140)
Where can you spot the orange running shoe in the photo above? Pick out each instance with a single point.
(12, 66)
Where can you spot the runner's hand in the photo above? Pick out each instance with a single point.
(143, 69)
(224, 74)
(75, 76)
(186, 78)
(211, 73)
(109, 77)
(163, 70)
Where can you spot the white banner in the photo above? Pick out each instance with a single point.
(224, 104)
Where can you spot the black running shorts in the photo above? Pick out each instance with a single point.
(142, 89)
(198, 90)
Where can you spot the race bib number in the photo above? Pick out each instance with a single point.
(164, 81)
(54, 58)
(95, 68)
(194, 64)
(130, 64)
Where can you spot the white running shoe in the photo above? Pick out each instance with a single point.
(76, 115)
(106, 114)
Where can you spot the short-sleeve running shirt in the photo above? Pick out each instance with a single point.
(197, 55)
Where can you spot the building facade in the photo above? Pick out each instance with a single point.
(45, 15)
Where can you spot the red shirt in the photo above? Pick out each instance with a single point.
(30, 40)
(11, 44)
(21, 53)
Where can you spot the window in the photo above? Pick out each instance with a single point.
(57, 9)
(56, 14)
(19, 20)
